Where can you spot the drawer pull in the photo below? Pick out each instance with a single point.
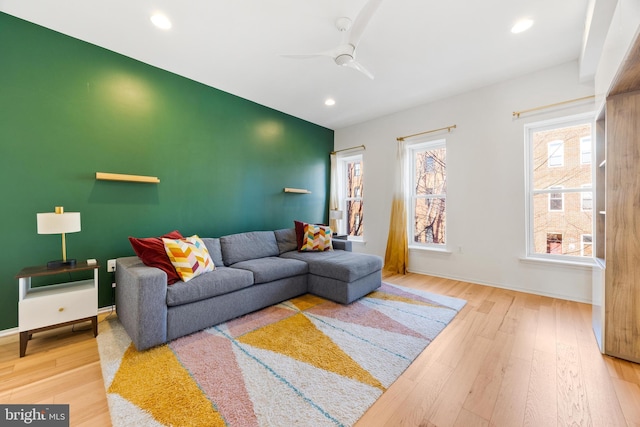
(61, 309)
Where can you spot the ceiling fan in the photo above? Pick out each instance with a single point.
(345, 53)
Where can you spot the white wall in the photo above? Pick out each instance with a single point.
(486, 190)
(622, 33)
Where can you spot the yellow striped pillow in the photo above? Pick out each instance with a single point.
(189, 256)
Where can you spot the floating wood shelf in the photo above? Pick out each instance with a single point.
(296, 190)
(103, 176)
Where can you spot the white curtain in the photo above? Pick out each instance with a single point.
(396, 257)
(333, 193)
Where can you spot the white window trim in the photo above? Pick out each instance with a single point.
(412, 148)
(342, 161)
(567, 260)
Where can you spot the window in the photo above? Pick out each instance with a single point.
(585, 150)
(554, 243)
(587, 245)
(559, 185)
(586, 198)
(555, 154)
(350, 191)
(556, 200)
(428, 188)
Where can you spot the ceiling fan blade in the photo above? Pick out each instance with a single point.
(362, 20)
(358, 66)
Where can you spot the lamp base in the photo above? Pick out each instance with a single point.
(60, 263)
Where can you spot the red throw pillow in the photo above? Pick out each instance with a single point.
(299, 226)
(151, 251)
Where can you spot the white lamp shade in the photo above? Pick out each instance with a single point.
(335, 214)
(53, 223)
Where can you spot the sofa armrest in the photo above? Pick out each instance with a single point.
(141, 302)
(343, 244)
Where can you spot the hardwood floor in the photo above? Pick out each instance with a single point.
(507, 359)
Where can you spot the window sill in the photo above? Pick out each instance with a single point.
(581, 265)
(430, 249)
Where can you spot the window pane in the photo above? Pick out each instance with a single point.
(586, 203)
(354, 179)
(557, 157)
(429, 223)
(555, 154)
(430, 172)
(354, 217)
(585, 150)
(568, 226)
(587, 245)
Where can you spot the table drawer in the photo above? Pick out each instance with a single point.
(37, 311)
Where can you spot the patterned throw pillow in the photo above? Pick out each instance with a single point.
(189, 256)
(316, 238)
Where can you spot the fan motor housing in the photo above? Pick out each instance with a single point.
(343, 59)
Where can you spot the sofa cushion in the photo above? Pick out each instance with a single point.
(218, 282)
(337, 264)
(151, 252)
(272, 268)
(286, 239)
(213, 246)
(189, 256)
(250, 245)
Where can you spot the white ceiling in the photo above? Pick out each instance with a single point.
(418, 50)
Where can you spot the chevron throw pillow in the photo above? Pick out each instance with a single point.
(189, 256)
(316, 238)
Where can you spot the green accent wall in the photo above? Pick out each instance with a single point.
(69, 109)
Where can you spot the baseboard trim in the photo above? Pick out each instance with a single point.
(503, 286)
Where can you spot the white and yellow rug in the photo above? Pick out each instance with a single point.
(304, 362)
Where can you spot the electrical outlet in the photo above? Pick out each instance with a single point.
(111, 265)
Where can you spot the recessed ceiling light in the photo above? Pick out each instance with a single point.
(522, 25)
(161, 21)
(330, 101)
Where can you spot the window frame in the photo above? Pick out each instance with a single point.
(530, 192)
(341, 167)
(410, 168)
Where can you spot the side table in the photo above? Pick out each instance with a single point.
(52, 306)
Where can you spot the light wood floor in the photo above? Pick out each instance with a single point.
(507, 359)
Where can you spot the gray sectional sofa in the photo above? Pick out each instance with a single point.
(253, 270)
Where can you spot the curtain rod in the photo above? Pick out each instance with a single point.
(350, 148)
(516, 114)
(448, 129)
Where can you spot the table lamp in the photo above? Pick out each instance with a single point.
(59, 222)
(335, 215)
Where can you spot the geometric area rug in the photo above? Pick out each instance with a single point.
(304, 362)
